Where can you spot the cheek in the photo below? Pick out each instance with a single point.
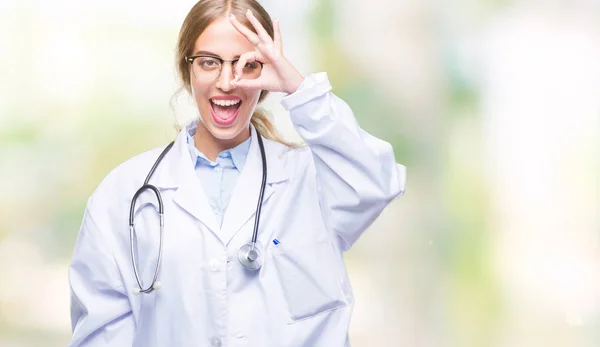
(252, 99)
(198, 91)
(250, 105)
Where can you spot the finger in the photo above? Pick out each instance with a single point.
(252, 37)
(248, 84)
(277, 35)
(245, 58)
(262, 33)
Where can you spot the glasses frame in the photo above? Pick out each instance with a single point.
(191, 59)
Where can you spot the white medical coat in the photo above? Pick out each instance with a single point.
(318, 200)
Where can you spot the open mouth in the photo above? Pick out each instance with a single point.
(225, 112)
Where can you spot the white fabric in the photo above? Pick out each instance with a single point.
(319, 199)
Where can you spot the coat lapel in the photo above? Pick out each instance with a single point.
(177, 171)
(243, 204)
(190, 195)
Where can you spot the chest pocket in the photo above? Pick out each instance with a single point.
(310, 282)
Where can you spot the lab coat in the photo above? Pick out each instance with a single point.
(318, 200)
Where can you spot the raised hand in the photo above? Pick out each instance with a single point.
(278, 74)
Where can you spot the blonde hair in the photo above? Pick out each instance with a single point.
(198, 19)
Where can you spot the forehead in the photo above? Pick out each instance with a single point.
(222, 38)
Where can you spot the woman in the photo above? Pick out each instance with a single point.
(289, 287)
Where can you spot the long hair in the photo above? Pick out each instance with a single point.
(197, 20)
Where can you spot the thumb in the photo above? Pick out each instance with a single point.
(248, 84)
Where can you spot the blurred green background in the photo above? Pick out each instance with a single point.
(493, 106)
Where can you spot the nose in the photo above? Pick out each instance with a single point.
(225, 78)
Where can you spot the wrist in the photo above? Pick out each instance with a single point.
(293, 78)
(294, 83)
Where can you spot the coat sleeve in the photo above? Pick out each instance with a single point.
(356, 173)
(100, 310)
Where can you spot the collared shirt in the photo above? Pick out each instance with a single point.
(218, 177)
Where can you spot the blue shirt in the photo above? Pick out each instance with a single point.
(218, 178)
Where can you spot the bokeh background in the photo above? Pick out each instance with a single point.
(493, 105)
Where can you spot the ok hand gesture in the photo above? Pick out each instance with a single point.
(278, 74)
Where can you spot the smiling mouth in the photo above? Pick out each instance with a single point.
(225, 112)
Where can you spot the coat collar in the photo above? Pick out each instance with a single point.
(237, 155)
(177, 164)
(177, 171)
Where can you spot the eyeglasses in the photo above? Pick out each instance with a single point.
(207, 68)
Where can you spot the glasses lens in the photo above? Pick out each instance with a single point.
(252, 70)
(206, 69)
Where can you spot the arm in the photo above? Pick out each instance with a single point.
(356, 173)
(100, 310)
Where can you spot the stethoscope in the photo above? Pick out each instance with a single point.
(249, 255)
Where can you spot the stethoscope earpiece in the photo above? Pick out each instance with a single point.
(156, 286)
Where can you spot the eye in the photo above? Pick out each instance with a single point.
(253, 65)
(208, 63)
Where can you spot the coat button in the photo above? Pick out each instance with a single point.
(215, 342)
(214, 265)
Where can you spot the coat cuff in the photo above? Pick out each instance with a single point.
(312, 87)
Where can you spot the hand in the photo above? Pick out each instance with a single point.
(278, 74)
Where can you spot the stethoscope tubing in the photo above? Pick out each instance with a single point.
(161, 214)
(262, 190)
(251, 260)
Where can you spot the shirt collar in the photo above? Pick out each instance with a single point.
(238, 154)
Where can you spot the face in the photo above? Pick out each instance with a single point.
(225, 111)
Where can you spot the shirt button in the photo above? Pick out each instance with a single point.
(218, 169)
(214, 265)
(215, 341)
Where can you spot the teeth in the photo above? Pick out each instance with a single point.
(225, 102)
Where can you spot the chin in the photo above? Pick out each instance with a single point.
(226, 132)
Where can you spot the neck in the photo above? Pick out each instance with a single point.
(211, 146)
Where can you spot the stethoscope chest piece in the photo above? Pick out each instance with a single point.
(249, 255)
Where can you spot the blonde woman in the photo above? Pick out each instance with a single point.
(230, 236)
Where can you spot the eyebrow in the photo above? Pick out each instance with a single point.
(213, 54)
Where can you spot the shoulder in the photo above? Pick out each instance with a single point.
(126, 177)
(293, 159)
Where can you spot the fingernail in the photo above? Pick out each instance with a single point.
(248, 11)
(231, 16)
